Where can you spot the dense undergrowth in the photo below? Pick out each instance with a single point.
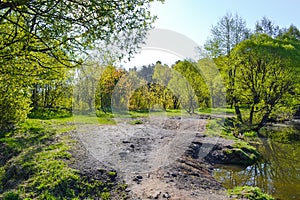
(35, 163)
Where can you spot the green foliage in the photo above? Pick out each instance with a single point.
(105, 88)
(14, 102)
(283, 134)
(189, 86)
(215, 93)
(251, 193)
(112, 174)
(42, 39)
(250, 134)
(43, 28)
(265, 77)
(49, 113)
(11, 196)
(214, 127)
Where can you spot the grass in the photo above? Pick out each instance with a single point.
(93, 119)
(146, 113)
(216, 111)
(36, 157)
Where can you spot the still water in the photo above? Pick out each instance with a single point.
(278, 173)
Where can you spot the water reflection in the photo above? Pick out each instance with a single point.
(278, 173)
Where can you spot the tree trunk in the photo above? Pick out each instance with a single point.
(238, 113)
(263, 122)
(251, 115)
(34, 97)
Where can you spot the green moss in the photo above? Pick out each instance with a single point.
(241, 153)
(112, 174)
(135, 122)
(251, 193)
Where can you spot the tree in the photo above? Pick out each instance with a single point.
(292, 31)
(14, 102)
(85, 83)
(73, 26)
(266, 26)
(42, 37)
(214, 82)
(189, 86)
(106, 85)
(129, 93)
(182, 89)
(229, 31)
(146, 72)
(266, 76)
(162, 76)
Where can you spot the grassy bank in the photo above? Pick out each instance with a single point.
(36, 159)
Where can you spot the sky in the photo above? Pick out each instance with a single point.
(194, 19)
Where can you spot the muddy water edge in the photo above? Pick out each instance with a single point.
(278, 172)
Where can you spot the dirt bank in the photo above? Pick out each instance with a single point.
(161, 158)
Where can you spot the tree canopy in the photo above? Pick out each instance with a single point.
(41, 39)
(265, 74)
(72, 26)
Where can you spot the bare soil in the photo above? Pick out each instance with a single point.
(162, 158)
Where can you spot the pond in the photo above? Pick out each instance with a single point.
(278, 173)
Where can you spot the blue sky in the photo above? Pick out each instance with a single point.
(194, 19)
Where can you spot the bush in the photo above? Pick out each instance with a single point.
(14, 103)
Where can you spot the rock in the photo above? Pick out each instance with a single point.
(137, 180)
(174, 174)
(139, 177)
(166, 195)
(156, 195)
(127, 190)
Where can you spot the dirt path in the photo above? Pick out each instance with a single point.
(156, 158)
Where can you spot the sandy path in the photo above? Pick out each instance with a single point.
(147, 157)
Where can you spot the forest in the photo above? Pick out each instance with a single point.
(259, 69)
(57, 62)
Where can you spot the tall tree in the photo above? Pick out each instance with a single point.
(162, 76)
(229, 31)
(268, 27)
(214, 82)
(266, 75)
(292, 31)
(189, 86)
(106, 85)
